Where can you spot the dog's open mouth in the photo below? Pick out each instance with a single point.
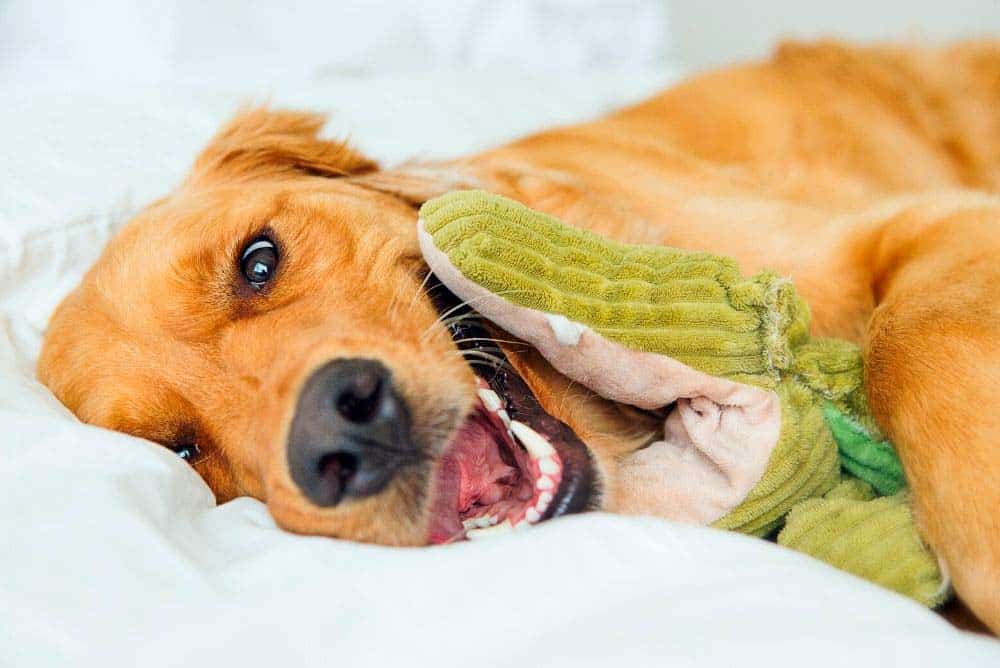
(511, 464)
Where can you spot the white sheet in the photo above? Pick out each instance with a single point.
(113, 553)
(169, 39)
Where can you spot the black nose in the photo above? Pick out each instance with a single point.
(350, 433)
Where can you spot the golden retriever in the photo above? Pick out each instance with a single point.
(270, 318)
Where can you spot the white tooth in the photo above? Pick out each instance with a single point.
(493, 519)
(504, 417)
(523, 524)
(469, 523)
(544, 482)
(544, 499)
(533, 442)
(491, 400)
(548, 465)
(532, 515)
(499, 529)
(482, 522)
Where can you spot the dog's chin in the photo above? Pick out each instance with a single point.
(510, 464)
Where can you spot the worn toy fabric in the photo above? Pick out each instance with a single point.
(766, 430)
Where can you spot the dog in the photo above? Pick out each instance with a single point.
(272, 319)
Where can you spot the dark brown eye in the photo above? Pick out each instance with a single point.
(189, 452)
(258, 262)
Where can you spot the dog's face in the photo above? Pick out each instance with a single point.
(273, 321)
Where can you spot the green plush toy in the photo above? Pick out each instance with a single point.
(767, 431)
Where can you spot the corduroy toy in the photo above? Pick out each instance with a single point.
(767, 431)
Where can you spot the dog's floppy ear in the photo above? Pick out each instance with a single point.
(263, 142)
(415, 183)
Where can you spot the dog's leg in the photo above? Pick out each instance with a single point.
(932, 364)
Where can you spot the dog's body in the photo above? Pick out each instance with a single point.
(870, 177)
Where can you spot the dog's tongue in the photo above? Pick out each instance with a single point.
(482, 471)
(483, 476)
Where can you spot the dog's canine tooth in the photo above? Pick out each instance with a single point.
(502, 528)
(490, 399)
(533, 442)
(548, 465)
(544, 483)
(532, 515)
(504, 417)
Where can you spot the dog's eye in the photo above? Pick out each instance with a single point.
(258, 262)
(188, 451)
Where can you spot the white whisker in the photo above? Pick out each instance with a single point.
(489, 365)
(420, 290)
(498, 362)
(459, 318)
(462, 304)
(489, 340)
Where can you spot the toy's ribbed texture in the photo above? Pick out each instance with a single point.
(833, 369)
(696, 308)
(850, 487)
(875, 539)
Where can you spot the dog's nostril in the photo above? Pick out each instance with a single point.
(359, 402)
(336, 470)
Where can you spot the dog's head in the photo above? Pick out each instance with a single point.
(273, 320)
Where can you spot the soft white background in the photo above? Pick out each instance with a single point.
(125, 40)
(111, 550)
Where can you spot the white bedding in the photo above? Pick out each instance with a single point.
(112, 552)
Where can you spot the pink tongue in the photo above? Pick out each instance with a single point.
(474, 479)
(482, 473)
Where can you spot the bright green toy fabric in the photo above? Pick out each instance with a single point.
(873, 461)
(833, 484)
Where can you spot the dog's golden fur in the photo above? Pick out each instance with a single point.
(870, 176)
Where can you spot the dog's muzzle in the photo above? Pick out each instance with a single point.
(350, 433)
